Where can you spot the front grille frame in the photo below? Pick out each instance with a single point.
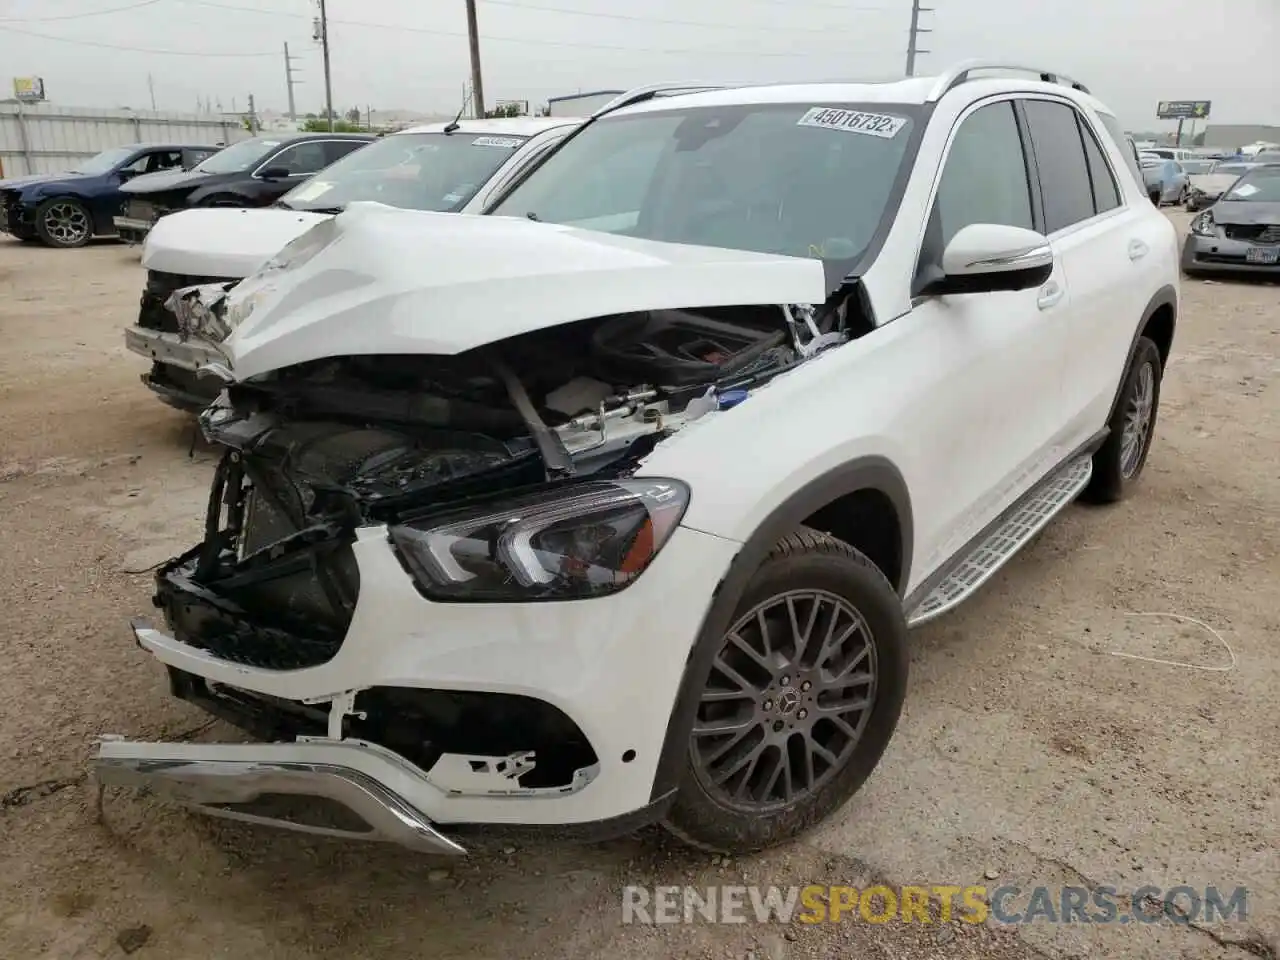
(1265, 234)
(152, 314)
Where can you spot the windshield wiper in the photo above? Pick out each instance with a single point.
(533, 216)
(284, 206)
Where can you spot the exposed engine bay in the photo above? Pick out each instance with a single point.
(465, 459)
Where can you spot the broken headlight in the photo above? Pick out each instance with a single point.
(586, 541)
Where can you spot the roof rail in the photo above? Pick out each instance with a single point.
(651, 91)
(958, 74)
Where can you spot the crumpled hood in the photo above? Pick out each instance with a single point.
(380, 280)
(1244, 212)
(1212, 184)
(222, 241)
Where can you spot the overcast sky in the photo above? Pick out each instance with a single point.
(411, 54)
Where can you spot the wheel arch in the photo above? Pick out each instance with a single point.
(843, 498)
(1159, 321)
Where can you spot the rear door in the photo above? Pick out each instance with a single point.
(1105, 245)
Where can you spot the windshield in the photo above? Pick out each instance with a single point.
(795, 179)
(1235, 169)
(1262, 185)
(105, 161)
(418, 171)
(239, 156)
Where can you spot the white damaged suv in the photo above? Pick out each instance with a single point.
(615, 505)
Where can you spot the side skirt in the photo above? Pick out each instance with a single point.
(976, 563)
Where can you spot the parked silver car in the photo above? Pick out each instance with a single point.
(1166, 180)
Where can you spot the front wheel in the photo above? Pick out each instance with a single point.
(63, 222)
(1119, 461)
(800, 701)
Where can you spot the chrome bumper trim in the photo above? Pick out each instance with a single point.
(204, 775)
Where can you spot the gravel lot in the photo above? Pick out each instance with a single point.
(1028, 754)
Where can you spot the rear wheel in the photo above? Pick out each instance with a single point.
(801, 699)
(1119, 461)
(64, 222)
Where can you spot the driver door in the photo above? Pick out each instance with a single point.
(995, 366)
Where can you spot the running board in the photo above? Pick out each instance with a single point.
(1013, 531)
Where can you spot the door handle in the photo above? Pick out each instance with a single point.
(1050, 294)
(1137, 249)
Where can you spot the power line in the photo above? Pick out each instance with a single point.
(681, 23)
(114, 46)
(79, 16)
(490, 38)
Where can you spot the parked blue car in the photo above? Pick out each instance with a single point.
(1167, 181)
(67, 209)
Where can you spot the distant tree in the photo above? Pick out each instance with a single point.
(320, 125)
(506, 110)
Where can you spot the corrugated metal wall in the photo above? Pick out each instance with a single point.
(49, 138)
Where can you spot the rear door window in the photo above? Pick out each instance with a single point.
(337, 149)
(1106, 195)
(1065, 188)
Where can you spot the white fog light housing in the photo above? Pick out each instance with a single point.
(589, 540)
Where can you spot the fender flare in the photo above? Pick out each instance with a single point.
(864, 473)
(1166, 296)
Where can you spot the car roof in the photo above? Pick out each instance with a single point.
(912, 90)
(166, 146)
(510, 126)
(293, 137)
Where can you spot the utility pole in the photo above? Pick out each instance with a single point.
(151, 86)
(253, 117)
(324, 45)
(473, 34)
(912, 42)
(289, 82)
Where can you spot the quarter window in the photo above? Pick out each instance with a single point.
(1065, 187)
(985, 177)
(1106, 195)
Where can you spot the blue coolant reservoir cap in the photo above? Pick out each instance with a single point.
(731, 398)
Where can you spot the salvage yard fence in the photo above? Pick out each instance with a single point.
(49, 138)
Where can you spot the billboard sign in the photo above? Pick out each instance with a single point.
(28, 88)
(1183, 109)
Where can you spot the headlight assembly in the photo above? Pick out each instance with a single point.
(1203, 225)
(588, 540)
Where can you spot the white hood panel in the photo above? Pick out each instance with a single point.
(222, 241)
(378, 280)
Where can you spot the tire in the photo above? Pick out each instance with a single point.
(64, 222)
(1117, 465)
(804, 571)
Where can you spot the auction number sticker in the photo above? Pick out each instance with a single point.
(853, 121)
(508, 142)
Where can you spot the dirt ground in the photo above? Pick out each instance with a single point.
(1029, 752)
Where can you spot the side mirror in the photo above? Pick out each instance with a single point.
(276, 173)
(989, 257)
(126, 175)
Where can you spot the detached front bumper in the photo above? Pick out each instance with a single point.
(222, 780)
(175, 375)
(1223, 255)
(131, 229)
(350, 724)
